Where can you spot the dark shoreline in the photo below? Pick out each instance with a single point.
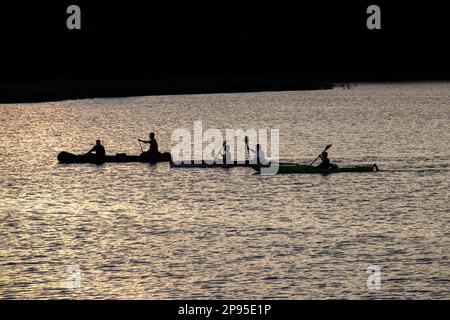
(69, 89)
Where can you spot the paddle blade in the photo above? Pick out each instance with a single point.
(328, 147)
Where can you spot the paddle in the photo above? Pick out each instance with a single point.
(218, 153)
(142, 149)
(248, 148)
(223, 146)
(326, 148)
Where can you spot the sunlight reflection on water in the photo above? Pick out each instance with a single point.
(140, 231)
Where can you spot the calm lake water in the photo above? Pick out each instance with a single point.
(151, 232)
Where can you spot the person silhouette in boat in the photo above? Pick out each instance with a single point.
(226, 155)
(259, 154)
(98, 150)
(153, 152)
(326, 163)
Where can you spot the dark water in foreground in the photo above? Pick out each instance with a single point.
(139, 231)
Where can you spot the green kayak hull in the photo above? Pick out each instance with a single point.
(305, 169)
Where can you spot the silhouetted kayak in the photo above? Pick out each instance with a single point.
(206, 165)
(219, 165)
(305, 169)
(66, 157)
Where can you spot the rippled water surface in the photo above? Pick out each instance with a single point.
(140, 231)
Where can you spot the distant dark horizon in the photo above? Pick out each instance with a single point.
(322, 42)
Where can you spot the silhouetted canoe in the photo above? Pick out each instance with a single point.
(66, 157)
(205, 165)
(305, 169)
(213, 165)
